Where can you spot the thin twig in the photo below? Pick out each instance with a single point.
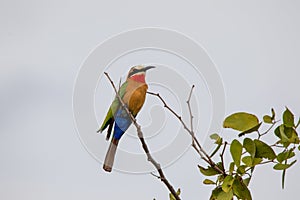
(191, 122)
(181, 121)
(191, 114)
(155, 175)
(262, 134)
(197, 146)
(222, 157)
(144, 145)
(216, 150)
(120, 83)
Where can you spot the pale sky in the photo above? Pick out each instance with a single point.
(254, 45)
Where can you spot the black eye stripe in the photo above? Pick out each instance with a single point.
(134, 71)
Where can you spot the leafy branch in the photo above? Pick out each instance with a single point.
(234, 181)
(255, 152)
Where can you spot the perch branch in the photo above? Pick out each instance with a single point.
(144, 144)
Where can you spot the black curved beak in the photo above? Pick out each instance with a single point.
(148, 67)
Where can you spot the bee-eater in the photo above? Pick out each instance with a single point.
(133, 93)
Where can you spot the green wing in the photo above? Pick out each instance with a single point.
(109, 119)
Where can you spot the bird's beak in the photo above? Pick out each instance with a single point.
(148, 67)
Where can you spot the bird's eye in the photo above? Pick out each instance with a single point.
(132, 72)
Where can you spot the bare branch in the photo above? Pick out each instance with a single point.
(119, 86)
(197, 146)
(155, 175)
(144, 145)
(191, 114)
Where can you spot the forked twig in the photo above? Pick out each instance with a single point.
(195, 144)
(191, 114)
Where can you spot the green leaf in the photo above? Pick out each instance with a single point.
(251, 162)
(240, 189)
(241, 169)
(292, 135)
(285, 155)
(287, 135)
(208, 182)
(280, 166)
(214, 194)
(241, 121)
(288, 118)
(178, 191)
(225, 196)
(172, 196)
(236, 152)
(298, 123)
(256, 161)
(221, 178)
(227, 183)
(219, 194)
(255, 128)
(220, 165)
(299, 147)
(268, 119)
(249, 145)
(246, 181)
(214, 136)
(247, 160)
(263, 150)
(280, 132)
(209, 171)
(231, 167)
(277, 130)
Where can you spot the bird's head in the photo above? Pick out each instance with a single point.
(138, 73)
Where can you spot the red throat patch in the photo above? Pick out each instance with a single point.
(138, 78)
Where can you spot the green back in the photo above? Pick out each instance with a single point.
(113, 107)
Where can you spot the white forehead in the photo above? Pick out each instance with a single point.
(139, 67)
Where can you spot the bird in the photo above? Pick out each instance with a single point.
(133, 94)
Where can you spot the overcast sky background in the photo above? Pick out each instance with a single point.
(255, 46)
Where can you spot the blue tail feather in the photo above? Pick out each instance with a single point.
(122, 122)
